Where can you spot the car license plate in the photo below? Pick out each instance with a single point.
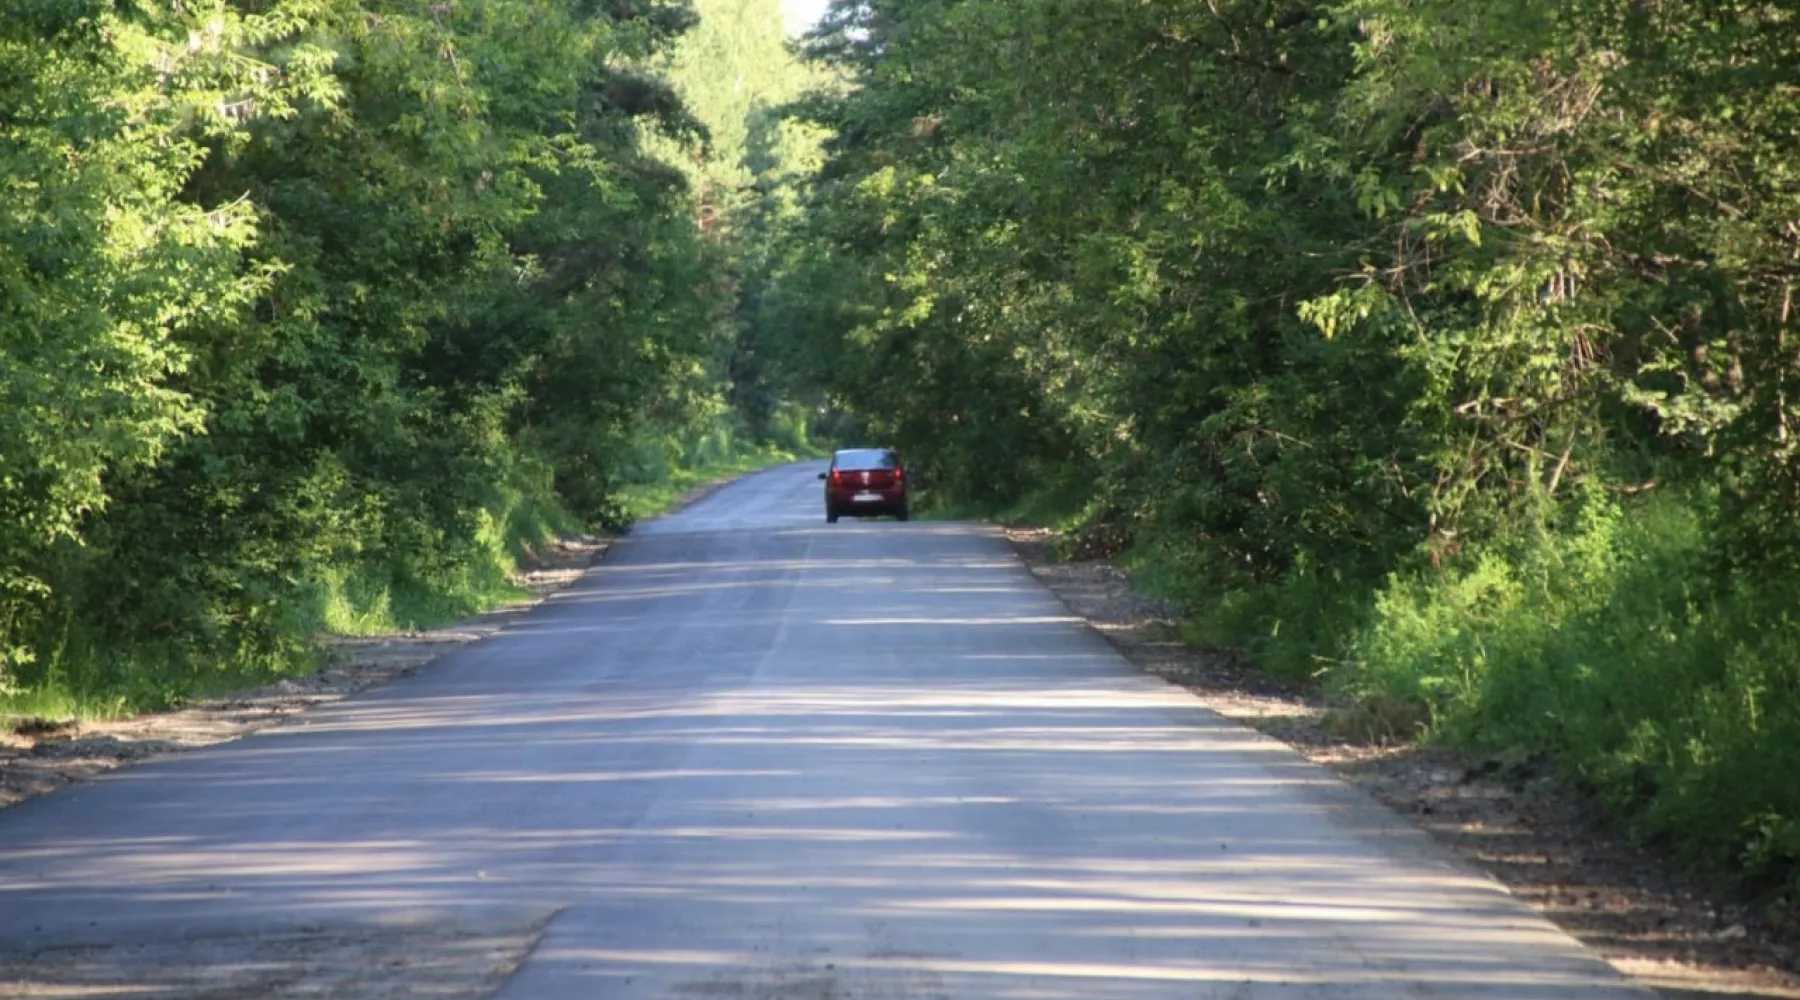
(866, 497)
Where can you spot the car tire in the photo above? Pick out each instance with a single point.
(900, 515)
(831, 516)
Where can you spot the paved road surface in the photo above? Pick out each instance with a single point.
(755, 756)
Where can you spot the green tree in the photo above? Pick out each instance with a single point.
(104, 263)
(1442, 348)
(317, 308)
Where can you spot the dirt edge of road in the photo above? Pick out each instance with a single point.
(39, 756)
(1660, 926)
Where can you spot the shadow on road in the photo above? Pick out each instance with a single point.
(816, 763)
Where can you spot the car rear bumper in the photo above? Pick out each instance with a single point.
(854, 500)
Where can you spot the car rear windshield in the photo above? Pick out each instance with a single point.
(868, 458)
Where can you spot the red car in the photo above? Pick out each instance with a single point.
(864, 482)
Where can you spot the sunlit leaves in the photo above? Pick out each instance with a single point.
(301, 292)
(103, 264)
(1340, 309)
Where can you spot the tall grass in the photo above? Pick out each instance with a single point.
(88, 673)
(1610, 640)
(397, 582)
(86, 679)
(1291, 626)
(1603, 634)
(670, 466)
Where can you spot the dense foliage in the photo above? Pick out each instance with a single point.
(736, 71)
(316, 312)
(1442, 348)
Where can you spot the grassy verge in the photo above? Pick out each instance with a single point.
(94, 670)
(91, 681)
(1610, 640)
(1603, 633)
(643, 500)
(1605, 637)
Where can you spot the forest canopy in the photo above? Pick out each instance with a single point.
(1443, 350)
(320, 313)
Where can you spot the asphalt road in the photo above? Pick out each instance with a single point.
(755, 756)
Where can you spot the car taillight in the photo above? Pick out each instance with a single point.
(899, 475)
(837, 478)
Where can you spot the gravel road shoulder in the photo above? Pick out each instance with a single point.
(1549, 846)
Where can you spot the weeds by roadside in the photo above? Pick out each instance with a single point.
(87, 679)
(1506, 811)
(50, 738)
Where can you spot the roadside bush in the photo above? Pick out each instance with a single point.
(789, 429)
(1610, 639)
(1365, 324)
(320, 312)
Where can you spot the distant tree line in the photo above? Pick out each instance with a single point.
(1447, 350)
